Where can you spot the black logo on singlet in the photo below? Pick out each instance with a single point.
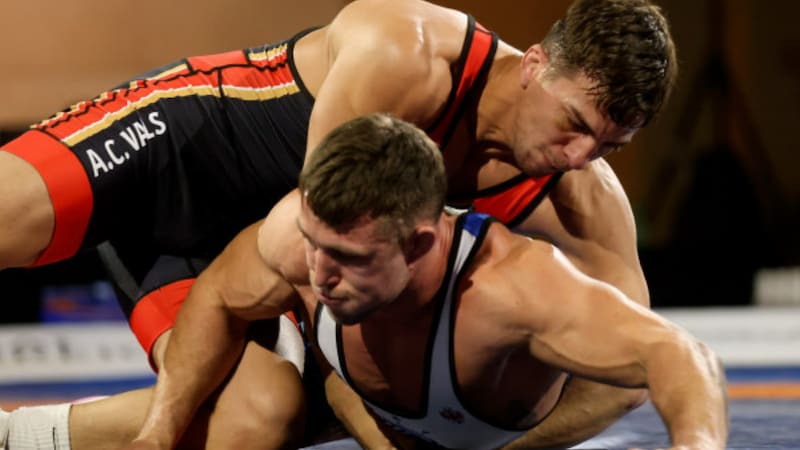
(452, 415)
(396, 424)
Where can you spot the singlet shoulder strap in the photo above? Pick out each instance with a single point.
(474, 62)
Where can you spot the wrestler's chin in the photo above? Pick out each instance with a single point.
(344, 316)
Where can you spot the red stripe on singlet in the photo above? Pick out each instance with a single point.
(479, 49)
(507, 205)
(68, 187)
(155, 313)
(210, 62)
(87, 118)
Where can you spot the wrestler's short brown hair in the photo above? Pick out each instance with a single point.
(624, 46)
(375, 166)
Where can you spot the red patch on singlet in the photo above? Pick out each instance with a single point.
(69, 189)
(509, 204)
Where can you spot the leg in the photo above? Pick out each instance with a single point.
(262, 404)
(109, 423)
(100, 424)
(48, 201)
(26, 213)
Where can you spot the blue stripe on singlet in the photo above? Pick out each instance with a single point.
(473, 222)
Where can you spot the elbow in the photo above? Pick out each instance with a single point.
(716, 369)
(714, 361)
(709, 363)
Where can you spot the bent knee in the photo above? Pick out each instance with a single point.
(282, 405)
(269, 414)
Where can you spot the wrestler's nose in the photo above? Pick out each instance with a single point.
(326, 274)
(579, 151)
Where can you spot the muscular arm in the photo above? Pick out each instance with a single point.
(209, 334)
(351, 411)
(362, 425)
(589, 218)
(591, 329)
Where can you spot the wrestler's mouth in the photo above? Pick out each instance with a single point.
(555, 164)
(327, 299)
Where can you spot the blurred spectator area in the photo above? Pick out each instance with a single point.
(713, 181)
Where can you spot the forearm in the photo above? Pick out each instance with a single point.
(351, 411)
(203, 348)
(584, 410)
(209, 333)
(694, 404)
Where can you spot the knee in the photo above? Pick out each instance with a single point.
(279, 412)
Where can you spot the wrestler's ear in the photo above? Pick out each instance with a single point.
(419, 243)
(534, 61)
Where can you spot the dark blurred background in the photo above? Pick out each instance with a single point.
(713, 182)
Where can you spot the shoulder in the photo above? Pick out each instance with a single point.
(413, 37)
(513, 277)
(595, 192)
(597, 181)
(584, 204)
(390, 56)
(390, 26)
(518, 261)
(280, 243)
(524, 286)
(589, 217)
(396, 18)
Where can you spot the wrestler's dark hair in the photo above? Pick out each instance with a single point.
(379, 167)
(625, 47)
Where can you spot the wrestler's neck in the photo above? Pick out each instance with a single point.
(480, 154)
(495, 110)
(428, 274)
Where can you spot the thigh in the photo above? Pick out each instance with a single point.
(27, 216)
(262, 404)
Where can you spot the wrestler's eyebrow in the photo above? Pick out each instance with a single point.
(338, 250)
(300, 228)
(579, 120)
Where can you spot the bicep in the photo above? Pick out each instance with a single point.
(246, 283)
